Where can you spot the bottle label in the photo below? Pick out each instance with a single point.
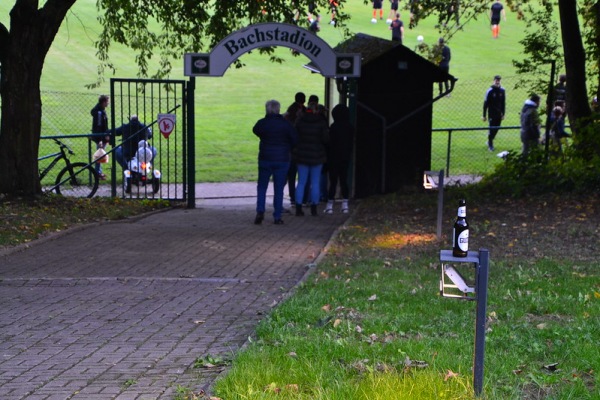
(463, 240)
(462, 211)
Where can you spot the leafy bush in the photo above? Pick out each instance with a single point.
(575, 169)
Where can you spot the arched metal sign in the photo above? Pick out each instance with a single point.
(215, 63)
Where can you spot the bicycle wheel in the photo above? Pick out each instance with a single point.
(84, 184)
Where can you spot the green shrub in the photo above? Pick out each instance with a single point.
(575, 169)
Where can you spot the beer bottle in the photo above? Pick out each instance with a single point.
(460, 234)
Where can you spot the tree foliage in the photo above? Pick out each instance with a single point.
(162, 30)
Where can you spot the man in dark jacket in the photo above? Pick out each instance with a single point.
(339, 154)
(131, 133)
(100, 128)
(494, 105)
(277, 137)
(530, 124)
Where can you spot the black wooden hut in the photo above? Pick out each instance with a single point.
(392, 103)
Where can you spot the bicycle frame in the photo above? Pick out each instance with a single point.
(60, 155)
(57, 156)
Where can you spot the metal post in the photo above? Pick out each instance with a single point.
(191, 140)
(448, 152)
(440, 204)
(481, 284)
(549, 106)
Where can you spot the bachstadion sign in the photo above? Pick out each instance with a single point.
(215, 63)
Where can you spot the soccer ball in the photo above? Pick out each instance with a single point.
(373, 21)
(388, 21)
(420, 38)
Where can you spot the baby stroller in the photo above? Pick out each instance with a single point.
(140, 171)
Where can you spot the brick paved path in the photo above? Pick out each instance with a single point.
(122, 310)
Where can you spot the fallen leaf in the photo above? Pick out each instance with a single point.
(541, 326)
(358, 329)
(449, 375)
(326, 307)
(337, 322)
(292, 354)
(373, 298)
(293, 387)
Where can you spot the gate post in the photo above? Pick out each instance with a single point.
(191, 141)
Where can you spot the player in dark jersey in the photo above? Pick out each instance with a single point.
(393, 11)
(496, 11)
(494, 106)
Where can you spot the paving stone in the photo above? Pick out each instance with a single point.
(88, 309)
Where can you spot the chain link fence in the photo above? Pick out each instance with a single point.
(459, 137)
(66, 117)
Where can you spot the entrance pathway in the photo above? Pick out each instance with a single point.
(121, 310)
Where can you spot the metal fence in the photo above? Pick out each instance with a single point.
(459, 137)
(66, 116)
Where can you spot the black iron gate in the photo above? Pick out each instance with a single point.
(161, 108)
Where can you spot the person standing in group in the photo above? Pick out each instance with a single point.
(397, 28)
(323, 112)
(530, 124)
(494, 106)
(393, 11)
(444, 64)
(377, 8)
(99, 126)
(560, 92)
(294, 111)
(496, 11)
(310, 154)
(339, 154)
(277, 137)
(557, 127)
(314, 25)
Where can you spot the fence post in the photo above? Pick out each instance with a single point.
(448, 152)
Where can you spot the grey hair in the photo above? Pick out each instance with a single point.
(272, 107)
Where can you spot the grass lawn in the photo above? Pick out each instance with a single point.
(227, 107)
(369, 322)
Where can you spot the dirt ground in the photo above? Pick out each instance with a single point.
(550, 226)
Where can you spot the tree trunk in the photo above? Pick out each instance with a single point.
(22, 54)
(578, 106)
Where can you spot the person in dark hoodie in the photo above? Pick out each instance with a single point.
(310, 154)
(131, 133)
(339, 154)
(530, 124)
(100, 128)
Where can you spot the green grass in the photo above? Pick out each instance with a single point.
(369, 322)
(227, 107)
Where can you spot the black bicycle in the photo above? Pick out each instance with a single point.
(76, 179)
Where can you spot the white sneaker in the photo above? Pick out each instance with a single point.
(345, 209)
(329, 208)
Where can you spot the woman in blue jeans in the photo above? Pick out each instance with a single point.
(310, 154)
